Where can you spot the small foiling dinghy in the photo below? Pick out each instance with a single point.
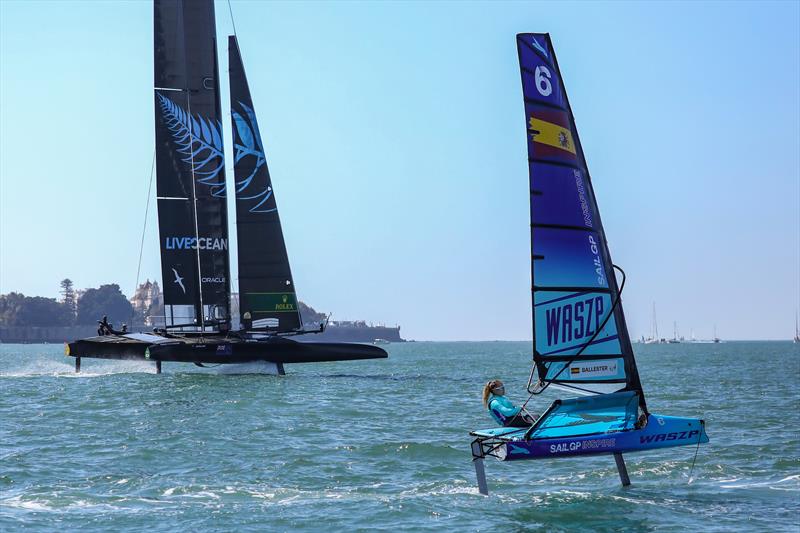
(192, 193)
(580, 339)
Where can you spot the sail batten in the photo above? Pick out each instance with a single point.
(267, 297)
(580, 337)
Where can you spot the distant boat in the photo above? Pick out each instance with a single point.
(653, 338)
(674, 339)
(796, 329)
(380, 341)
(192, 192)
(715, 338)
(581, 344)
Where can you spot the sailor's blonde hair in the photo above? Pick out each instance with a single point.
(488, 388)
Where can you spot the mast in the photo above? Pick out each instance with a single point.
(581, 340)
(190, 165)
(796, 328)
(267, 298)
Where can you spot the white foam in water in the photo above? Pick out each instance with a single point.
(768, 484)
(28, 505)
(98, 367)
(258, 367)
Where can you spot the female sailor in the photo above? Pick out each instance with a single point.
(502, 409)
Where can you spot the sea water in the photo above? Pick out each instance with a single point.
(382, 444)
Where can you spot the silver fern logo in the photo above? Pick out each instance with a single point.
(199, 140)
(247, 143)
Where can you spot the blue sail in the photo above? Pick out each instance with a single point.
(580, 338)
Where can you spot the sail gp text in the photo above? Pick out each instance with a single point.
(598, 264)
(585, 445)
(193, 243)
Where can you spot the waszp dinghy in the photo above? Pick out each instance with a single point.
(580, 339)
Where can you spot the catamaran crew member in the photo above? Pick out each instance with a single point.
(105, 328)
(502, 409)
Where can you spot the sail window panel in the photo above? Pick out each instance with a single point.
(540, 79)
(550, 137)
(567, 258)
(589, 415)
(566, 321)
(561, 196)
(179, 315)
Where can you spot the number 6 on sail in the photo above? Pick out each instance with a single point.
(580, 339)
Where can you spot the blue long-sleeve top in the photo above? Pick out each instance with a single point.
(501, 409)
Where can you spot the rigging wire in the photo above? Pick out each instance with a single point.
(144, 229)
(233, 22)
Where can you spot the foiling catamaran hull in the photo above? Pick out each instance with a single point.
(218, 349)
(192, 194)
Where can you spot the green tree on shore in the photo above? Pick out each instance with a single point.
(16, 309)
(107, 300)
(68, 296)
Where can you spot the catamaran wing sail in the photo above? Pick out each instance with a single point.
(576, 343)
(266, 287)
(190, 164)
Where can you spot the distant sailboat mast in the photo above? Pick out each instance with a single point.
(653, 328)
(655, 323)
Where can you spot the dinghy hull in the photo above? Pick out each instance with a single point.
(509, 444)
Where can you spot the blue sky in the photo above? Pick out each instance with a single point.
(395, 134)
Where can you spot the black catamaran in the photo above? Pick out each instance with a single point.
(580, 338)
(193, 220)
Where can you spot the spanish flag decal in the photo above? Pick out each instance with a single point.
(551, 134)
(574, 370)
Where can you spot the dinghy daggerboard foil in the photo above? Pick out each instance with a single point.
(192, 193)
(580, 339)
